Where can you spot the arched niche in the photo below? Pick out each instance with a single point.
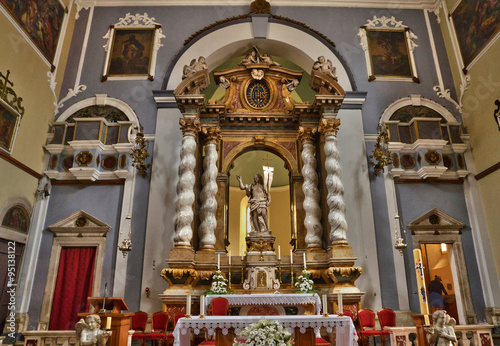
(12, 232)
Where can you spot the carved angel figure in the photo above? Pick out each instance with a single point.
(442, 332)
(224, 82)
(326, 67)
(89, 331)
(194, 66)
(266, 59)
(255, 57)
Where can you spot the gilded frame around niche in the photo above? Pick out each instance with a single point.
(9, 124)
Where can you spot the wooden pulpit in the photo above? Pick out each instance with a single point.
(120, 322)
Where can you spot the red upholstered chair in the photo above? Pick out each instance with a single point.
(158, 328)
(219, 307)
(366, 319)
(170, 337)
(387, 318)
(139, 322)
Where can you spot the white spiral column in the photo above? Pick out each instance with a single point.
(335, 197)
(209, 190)
(185, 195)
(312, 221)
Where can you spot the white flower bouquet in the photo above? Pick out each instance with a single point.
(219, 284)
(266, 333)
(304, 282)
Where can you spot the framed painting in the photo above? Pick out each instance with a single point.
(388, 47)
(477, 26)
(132, 48)
(17, 219)
(9, 121)
(40, 20)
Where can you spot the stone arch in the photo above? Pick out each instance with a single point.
(9, 234)
(236, 38)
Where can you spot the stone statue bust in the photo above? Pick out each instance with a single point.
(442, 332)
(89, 331)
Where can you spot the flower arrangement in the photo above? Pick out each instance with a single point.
(219, 284)
(304, 282)
(264, 332)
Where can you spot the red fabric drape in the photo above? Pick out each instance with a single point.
(74, 284)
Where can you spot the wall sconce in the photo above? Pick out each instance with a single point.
(140, 154)
(381, 152)
(126, 246)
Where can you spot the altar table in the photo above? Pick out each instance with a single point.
(268, 299)
(346, 333)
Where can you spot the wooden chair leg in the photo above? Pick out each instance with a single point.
(382, 337)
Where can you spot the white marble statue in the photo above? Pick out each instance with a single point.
(442, 332)
(326, 67)
(89, 331)
(259, 199)
(194, 66)
(224, 82)
(255, 57)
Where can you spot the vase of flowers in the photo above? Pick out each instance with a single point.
(304, 282)
(219, 284)
(264, 332)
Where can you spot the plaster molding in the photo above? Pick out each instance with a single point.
(83, 4)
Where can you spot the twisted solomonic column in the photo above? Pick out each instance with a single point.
(335, 197)
(185, 195)
(312, 221)
(209, 190)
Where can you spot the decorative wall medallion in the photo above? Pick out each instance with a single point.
(67, 163)
(53, 161)
(395, 160)
(258, 94)
(407, 161)
(110, 162)
(84, 158)
(434, 219)
(447, 161)
(81, 221)
(432, 157)
(123, 161)
(460, 160)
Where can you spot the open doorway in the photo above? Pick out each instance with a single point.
(247, 166)
(439, 278)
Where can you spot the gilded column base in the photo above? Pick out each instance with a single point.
(340, 256)
(179, 279)
(344, 278)
(181, 257)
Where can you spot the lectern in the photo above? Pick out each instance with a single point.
(120, 322)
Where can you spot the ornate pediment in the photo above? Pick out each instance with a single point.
(436, 221)
(81, 223)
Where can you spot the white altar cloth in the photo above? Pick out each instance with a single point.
(268, 299)
(346, 333)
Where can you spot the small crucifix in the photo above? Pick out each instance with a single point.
(420, 269)
(260, 246)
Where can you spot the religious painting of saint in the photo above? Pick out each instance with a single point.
(8, 127)
(389, 53)
(476, 23)
(16, 218)
(41, 20)
(131, 52)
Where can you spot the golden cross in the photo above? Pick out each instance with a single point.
(267, 159)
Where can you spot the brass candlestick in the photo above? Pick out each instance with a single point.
(279, 269)
(242, 271)
(291, 274)
(229, 277)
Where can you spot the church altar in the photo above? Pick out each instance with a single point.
(269, 299)
(345, 331)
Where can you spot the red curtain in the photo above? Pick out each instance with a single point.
(74, 284)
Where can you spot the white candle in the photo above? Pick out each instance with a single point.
(242, 255)
(325, 304)
(108, 323)
(218, 261)
(202, 305)
(188, 305)
(229, 256)
(291, 256)
(305, 266)
(340, 303)
(279, 252)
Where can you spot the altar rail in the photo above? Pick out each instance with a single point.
(467, 335)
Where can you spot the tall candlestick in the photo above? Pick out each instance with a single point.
(325, 305)
(218, 261)
(279, 252)
(304, 256)
(291, 256)
(340, 304)
(229, 257)
(242, 255)
(188, 306)
(422, 291)
(202, 306)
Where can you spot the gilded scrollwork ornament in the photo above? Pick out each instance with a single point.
(329, 127)
(307, 134)
(190, 126)
(212, 134)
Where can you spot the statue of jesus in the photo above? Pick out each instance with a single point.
(259, 199)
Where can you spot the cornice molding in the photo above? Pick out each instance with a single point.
(406, 4)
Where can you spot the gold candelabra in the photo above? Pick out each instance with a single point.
(381, 152)
(140, 154)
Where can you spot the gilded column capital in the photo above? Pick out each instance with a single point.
(190, 126)
(329, 127)
(212, 134)
(306, 134)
